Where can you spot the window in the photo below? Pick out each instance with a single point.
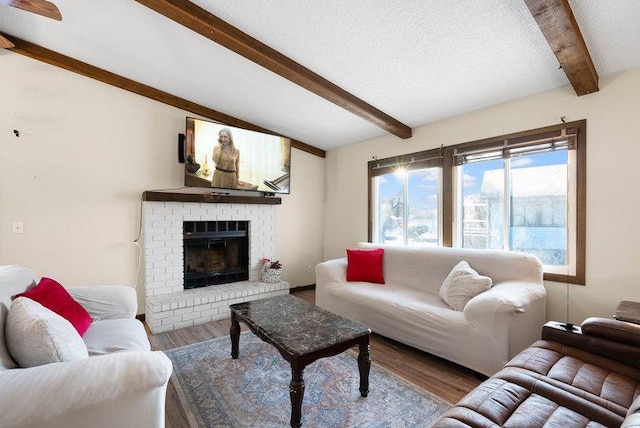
(518, 203)
(406, 200)
(521, 192)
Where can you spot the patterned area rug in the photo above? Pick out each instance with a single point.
(253, 391)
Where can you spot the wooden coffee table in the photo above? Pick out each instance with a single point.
(302, 333)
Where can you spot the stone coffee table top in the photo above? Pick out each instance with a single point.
(298, 327)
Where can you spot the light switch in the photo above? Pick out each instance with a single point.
(18, 227)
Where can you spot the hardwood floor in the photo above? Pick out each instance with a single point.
(443, 378)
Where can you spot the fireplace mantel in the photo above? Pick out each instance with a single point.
(195, 194)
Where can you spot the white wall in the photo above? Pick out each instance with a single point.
(299, 220)
(613, 192)
(85, 154)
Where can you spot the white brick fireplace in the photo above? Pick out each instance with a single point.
(168, 305)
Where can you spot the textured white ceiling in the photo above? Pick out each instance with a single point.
(418, 61)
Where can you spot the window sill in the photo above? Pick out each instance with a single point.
(570, 279)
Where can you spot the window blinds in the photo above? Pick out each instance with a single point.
(420, 160)
(510, 148)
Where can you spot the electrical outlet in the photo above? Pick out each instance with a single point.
(309, 269)
(18, 227)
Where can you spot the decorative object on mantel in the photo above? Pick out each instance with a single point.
(205, 166)
(271, 271)
(191, 165)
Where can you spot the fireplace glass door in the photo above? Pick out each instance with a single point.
(215, 252)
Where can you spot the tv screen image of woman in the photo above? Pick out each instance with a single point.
(227, 161)
(240, 159)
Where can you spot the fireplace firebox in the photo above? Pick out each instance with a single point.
(215, 252)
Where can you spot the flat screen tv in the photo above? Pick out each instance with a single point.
(224, 157)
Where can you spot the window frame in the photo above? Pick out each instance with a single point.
(446, 162)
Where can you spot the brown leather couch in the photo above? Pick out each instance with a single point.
(586, 378)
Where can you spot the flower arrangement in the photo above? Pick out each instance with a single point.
(271, 271)
(267, 264)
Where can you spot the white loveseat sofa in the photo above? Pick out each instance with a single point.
(121, 384)
(493, 327)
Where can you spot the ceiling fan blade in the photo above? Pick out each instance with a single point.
(40, 7)
(6, 43)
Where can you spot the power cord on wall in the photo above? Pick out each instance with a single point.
(136, 242)
(568, 325)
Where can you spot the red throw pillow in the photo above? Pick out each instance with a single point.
(53, 296)
(365, 265)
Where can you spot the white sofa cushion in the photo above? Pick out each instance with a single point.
(108, 336)
(463, 284)
(37, 335)
(107, 302)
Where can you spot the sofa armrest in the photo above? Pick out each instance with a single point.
(64, 394)
(336, 269)
(511, 313)
(506, 298)
(107, 301)
(332, 271)
(614, 330)
(330, 274)
(606, 341)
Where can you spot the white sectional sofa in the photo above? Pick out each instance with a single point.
(121, 383)
(494, 326)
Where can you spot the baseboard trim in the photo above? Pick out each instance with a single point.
(302, 288)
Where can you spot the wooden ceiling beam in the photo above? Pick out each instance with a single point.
(5, 43)
(210, 26)
(559, 27)
(54, 58)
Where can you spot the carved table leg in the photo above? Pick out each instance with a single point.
(234, 332)
(364, 365)
(296, 392)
